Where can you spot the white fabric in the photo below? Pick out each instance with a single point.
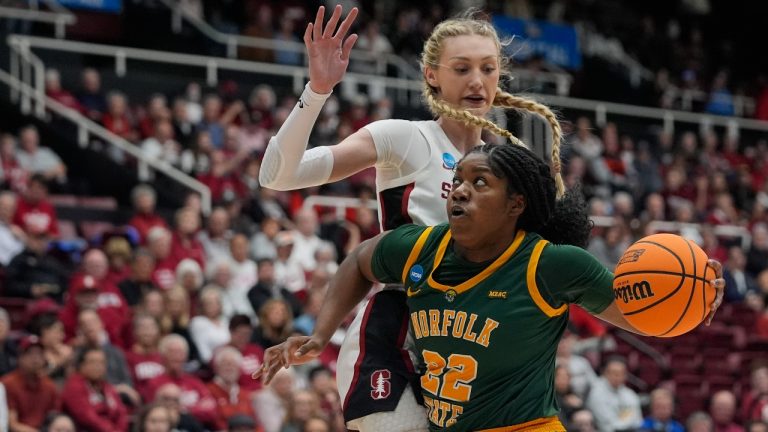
(208, 336)
(290, 275)
(10, 245)
(614, 409)
(235, 297)
(287, 163)
(409, 416)
(304, 249)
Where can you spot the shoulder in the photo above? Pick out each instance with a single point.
(391, 127)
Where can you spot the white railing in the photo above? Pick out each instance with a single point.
(88, 128)
(727, 231)
(341, 204)
(58, 16)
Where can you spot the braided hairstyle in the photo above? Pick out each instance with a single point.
(430, 57)
(560, 220)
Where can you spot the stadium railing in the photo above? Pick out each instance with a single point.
(87, 129)
(59, 16)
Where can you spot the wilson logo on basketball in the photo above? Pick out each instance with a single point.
(636, 291)
(631, 256)
(380, 385)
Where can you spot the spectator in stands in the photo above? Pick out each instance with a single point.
(305, 238)
(184, 243)
(176, 318)
(754, 403)
(39, 160)
(210, 329)
(8, 348)
(91, 334)
(11, 236)
(699, 422)
(582, 421)
(275, 323)
(722, 408)
(145, 218)
(34, 212)
(377, 46)
(271, 403)
(34, 273)
(305, 322)
(91, 401)
(568, 401)
(159, 245)
(241, 331)
(197, 159)
(30, 394)
(231, 399)
(58, 355)
(143, 358)
(57, 422)
(183, 127)
(757, 256)
(660, 416)
(288, 272)
(118, 119)
(269, 288)
(161, 147)
(609, 248)
(215, 238)
(90, 290)
(169, 396)
(261, 107)
(302, 406)
(153, 418)
(54, 91)
(720, 98)
(12, 175)
(260, 24)
(285, 33)
(244, 276)
(263, 242)
(195, 397)
(189, 275)
(214, 121)
(757, 426)
(118, 250)
(711, 244)
(738, 281)
(91, 97)
(616, 407)
(139, 282)
(157, 111)
(582, 376)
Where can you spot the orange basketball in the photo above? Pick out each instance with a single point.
(662, 285)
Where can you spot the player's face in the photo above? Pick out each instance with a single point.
(480, 211)
(468, 74)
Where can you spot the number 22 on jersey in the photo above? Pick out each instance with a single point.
(447, 380)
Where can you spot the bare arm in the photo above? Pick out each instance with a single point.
(348, 287)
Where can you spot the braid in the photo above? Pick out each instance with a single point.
(440, 108)
(508, 100)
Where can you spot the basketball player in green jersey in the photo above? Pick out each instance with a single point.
(488, 294)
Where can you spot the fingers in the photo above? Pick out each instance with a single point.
(346, 24)
(348, 44)
(308, 35)
(719, 285)
(318, 27)
(716, 266)
(331, 26)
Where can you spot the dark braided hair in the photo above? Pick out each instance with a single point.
(561, 221)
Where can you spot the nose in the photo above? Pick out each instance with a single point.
(475, 79)
(460, 193)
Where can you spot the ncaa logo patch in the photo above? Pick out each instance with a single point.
(380, 385)
(448, 161)
(416, 273)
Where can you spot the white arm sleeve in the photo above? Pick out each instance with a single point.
(287, 163)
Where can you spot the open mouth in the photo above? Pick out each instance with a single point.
(475, 99)
(457, 211)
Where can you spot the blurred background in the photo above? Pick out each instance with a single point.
(131, 134)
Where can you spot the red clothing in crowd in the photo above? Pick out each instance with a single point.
(31, 399)
(586, 325)
(66, 98)
(253, 357)
(195, 397)
(36, 218)
(120, 126)
(14, 175)
(93, 409)
(164, 275)
(229, 185)
(187, 248)
(144, 367)
(230, 402)
(110, 305)
(145, 222)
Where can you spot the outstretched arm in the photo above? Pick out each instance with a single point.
(348, 287)
(287, 163)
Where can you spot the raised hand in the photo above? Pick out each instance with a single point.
(719, 284)
(328, 51)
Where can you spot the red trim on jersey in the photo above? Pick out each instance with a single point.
(404, 204)
(401, 343)
(361, 355)
(383, 208)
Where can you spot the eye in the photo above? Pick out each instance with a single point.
(480, 181)
(489, 69)
(455, 182)
(461, 69)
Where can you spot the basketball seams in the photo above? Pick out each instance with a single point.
(661, 300)
(690, 296)
(662, 272)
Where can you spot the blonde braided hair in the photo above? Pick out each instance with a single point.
(430, 58)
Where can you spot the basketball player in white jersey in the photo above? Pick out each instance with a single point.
(414, 161)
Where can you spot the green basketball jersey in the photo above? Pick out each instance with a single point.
(488, 332)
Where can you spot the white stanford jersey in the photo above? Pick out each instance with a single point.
(414, 171)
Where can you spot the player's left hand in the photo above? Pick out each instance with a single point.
(719, 284)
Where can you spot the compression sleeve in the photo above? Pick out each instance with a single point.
(569, 274)
(287, 163)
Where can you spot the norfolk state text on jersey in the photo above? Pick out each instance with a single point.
(448, 322)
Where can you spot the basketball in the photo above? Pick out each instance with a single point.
(662, 285)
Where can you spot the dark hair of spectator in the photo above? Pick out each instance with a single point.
(238, 321)
(83, 353)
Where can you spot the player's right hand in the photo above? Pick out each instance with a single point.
(295, 350)
(328, 52)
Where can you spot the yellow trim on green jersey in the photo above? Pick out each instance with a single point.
(533, 289)
(415, 251)
(469, 283)
(544, 424)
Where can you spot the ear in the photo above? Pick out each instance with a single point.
(431, 77)
(516, 205)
